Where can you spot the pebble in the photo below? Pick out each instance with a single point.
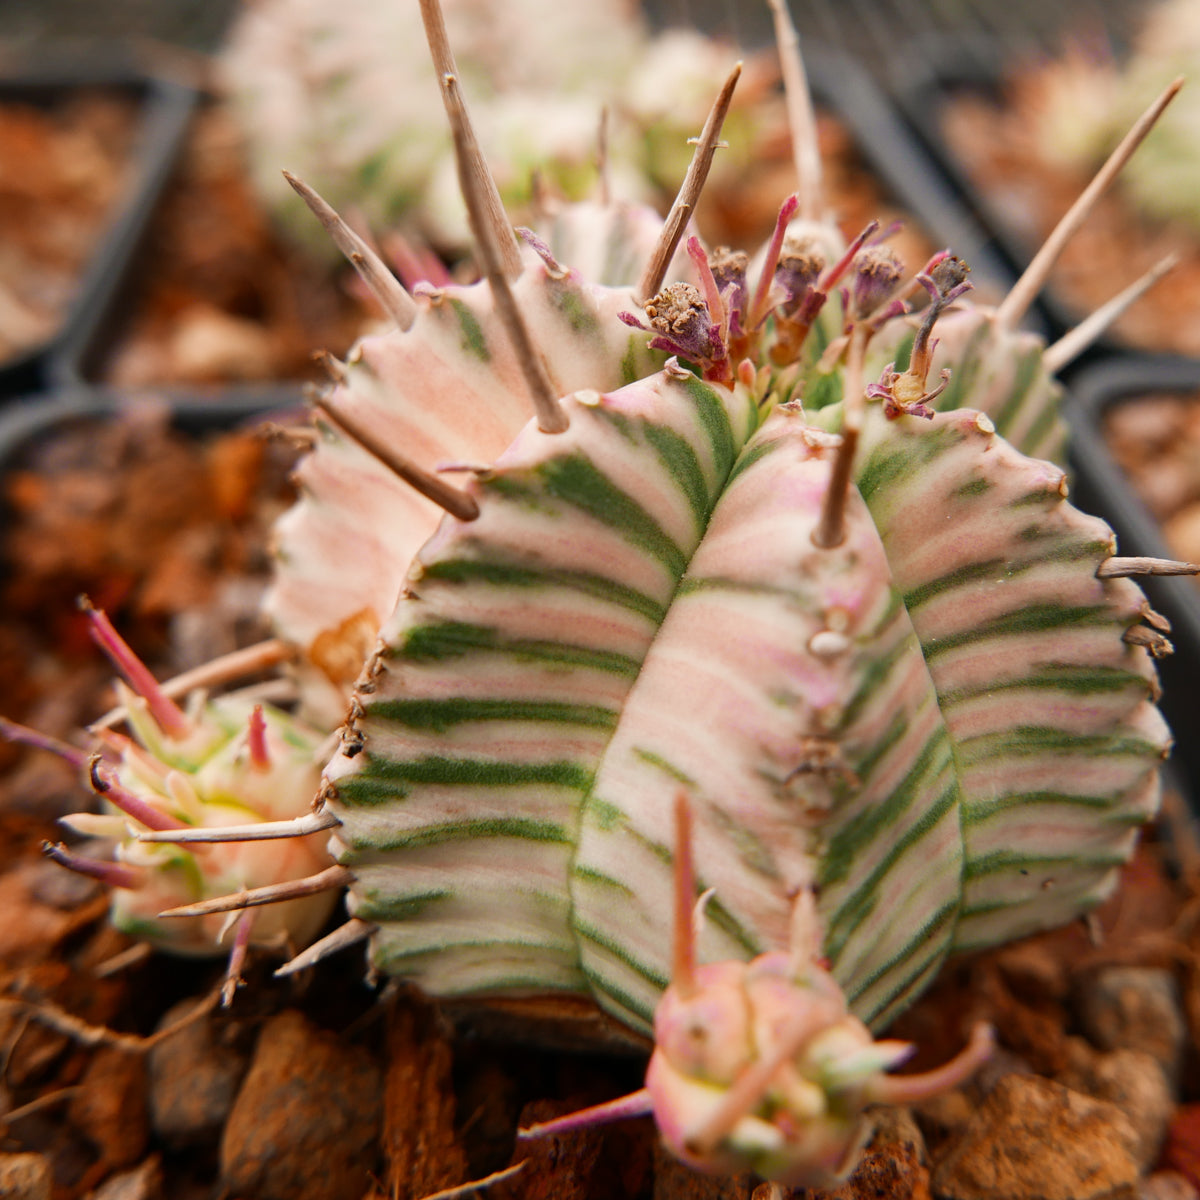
(144, 1182)
(1135, 1008)
(1033, 1139)
(24, 1177)
(305, 1123)
(1135, 1082)
(111, 1108)
(1182, 1150)
(194, 1077)
(1167, 1185)
(892, 1165)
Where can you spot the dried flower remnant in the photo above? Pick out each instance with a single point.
(905, 393)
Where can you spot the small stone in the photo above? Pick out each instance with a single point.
(942, 1118)
(305, 1123)
(1135, 1008)
(111, 1107)
(144, 1182)
(25, 1177)
(194, 1077)
(1167, 1185)
(557, 1168)
(1033, 1139)
(1132, 1080)
(1182, 1150)
(892, 1165)
(675, 1181)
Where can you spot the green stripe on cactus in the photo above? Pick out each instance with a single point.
(577, 480)
(1028, 367)
(441, 715)
(1040, 618)
(711, 412)
(473, 340)
(671, 770)
(748, 458)
(400, 908)
(994, 807)
(1024, 864)
(591, 875)
(501, 574)
(971, 573)
(512, 828)
(973, 488)
(1072, 678)
(381, 779)
(451, 639)
(1032, 740)
(884, 468)
(681, 463)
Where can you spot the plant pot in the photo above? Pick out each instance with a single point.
(161, 514)
(47, 131)
(257, 285)
(1018, 198)
(1103, 487)
(910, 173)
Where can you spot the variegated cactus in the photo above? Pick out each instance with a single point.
(214, 764)
(769, 541)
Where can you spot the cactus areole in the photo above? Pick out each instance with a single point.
(777, 602)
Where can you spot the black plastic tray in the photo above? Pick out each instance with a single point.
(910, 177)
(1101, 487)
(165, 109)
(913, 176)
(936, 68)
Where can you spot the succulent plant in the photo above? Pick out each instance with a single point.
(342, 93)
(224, 762)
(770, 541)
(1087, 96)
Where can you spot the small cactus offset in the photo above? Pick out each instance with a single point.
(213, 764)
(776, 608)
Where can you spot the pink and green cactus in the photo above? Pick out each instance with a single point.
(770, 541)
(213, 764)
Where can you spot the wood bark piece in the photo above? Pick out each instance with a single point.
(420, 1144)
(306, 1120)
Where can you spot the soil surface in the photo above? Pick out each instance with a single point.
(994, 139)
(65, 159)
(219, 296)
